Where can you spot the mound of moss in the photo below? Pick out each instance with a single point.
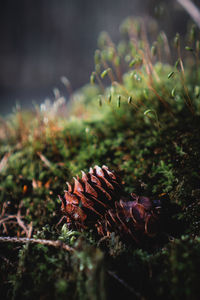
(145, 125)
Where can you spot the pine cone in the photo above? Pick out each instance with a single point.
(98, 200)
(136, 219)
(90, 197)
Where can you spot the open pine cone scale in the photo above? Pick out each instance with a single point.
(98, 200)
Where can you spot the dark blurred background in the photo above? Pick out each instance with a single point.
(42, 40)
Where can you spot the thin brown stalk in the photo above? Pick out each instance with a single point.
(56, 244)
(166, 105)
(5, 219)
(4, 161)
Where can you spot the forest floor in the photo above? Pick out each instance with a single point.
(145, 126)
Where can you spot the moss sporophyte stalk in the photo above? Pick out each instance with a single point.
(129, 228)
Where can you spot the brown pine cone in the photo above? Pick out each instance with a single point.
(136, 219)
(98, 200)
(90, 197)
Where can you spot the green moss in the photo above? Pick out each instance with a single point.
(146, 129)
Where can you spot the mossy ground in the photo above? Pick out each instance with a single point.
(141, 128)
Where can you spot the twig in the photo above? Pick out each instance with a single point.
(6, 219)
(45, 160)
(192, 10)
(28, 230)
(138, 295)
(4, 161)
(3, 209)
(56, 244)
(2, 221)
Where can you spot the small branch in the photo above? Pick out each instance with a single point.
(3, 209)
(136, 294)
(4, 161)
(56, 244)
(192, 10)
(45, 160)
(5, 219)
